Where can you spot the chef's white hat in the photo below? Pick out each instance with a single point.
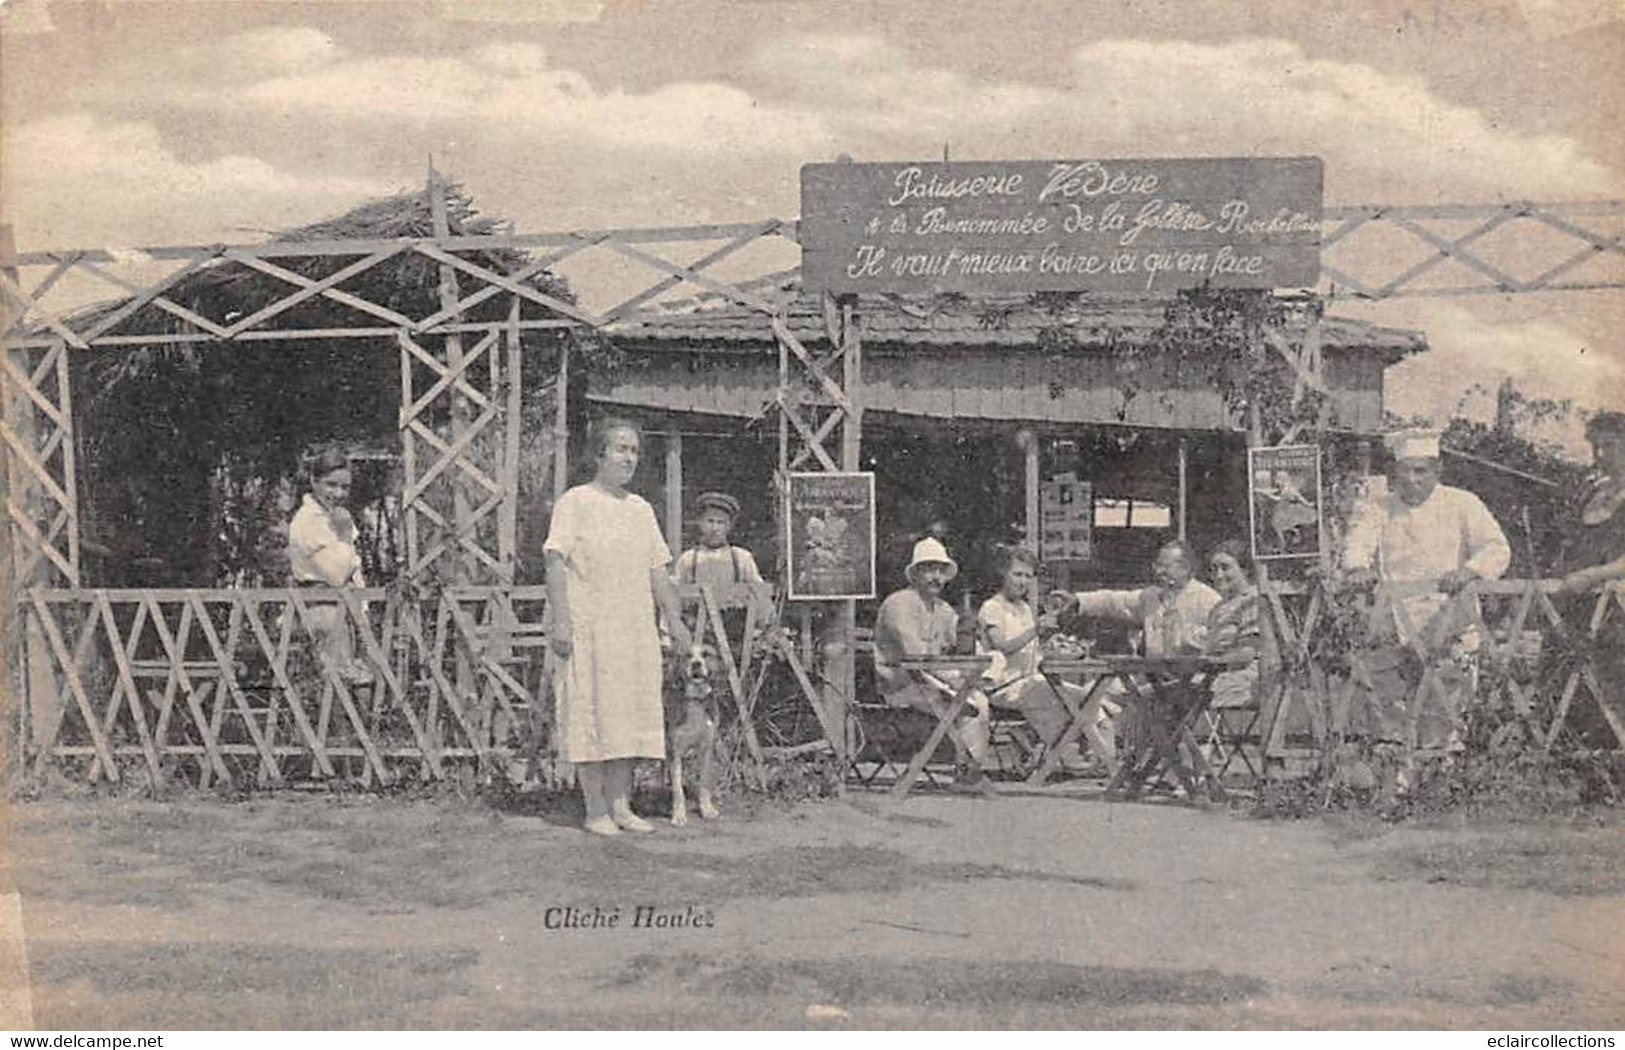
(1417, 443)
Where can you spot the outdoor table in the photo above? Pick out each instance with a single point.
(969, 669)
(1170, 693)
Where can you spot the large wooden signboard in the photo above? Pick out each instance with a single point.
(831, 526)
(1283, 484)
(1134, 227)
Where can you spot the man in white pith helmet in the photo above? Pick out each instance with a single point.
(916, 621)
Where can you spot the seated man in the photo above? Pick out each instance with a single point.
(1007, 628)
(1172, 613)
(915, 621)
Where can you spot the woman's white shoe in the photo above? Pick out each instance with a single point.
(629, 821)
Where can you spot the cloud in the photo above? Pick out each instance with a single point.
(1380, 133)
(1555, 18)
(539, 138)
(519, 11)
(73, 178)
(1542, 357)
(865, 83)
(254, 54)
(514, 87)
(1385, 137)
(25, 18)
(281, 47)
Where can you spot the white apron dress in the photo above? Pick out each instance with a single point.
(608, 690)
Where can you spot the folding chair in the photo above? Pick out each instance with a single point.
(1226, 733)
(887, 738)
(1164, 742)
(1010, 733)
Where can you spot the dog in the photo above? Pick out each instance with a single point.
(691, 724)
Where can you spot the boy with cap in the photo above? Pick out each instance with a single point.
(715, 560)
(1425, 542)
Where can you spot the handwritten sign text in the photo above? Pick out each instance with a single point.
(1144, 227)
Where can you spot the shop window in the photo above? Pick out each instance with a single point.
(1131, 514)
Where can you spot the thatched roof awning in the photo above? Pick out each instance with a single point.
(224, 290)
(958, 322)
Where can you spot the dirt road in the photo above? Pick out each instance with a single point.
(306, 912)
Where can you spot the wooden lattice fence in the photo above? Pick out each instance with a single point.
(224, 685)
(1551, 661)
(219, 681)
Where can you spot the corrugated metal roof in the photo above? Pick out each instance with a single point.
(958, 322)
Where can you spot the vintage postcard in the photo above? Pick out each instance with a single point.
(808, 514)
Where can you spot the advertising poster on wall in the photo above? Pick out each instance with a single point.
(1066, 520)
(831, 525)
(1283, 487)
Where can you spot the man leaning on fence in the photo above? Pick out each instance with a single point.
(1423, 542)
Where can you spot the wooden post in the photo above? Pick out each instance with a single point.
(844, 653)
(781, 480)
(784, 411)
(508, 524)
(1268, 734)
(674, 491)
(464, 566)
(409, 459)
(467, 565)
(561, 423)
(1028, 440)
(1184, 490)
(562, 772)
(852, 386)
(32, 708)
(14, 711)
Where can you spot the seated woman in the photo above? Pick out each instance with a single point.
(1007, 628)
(1232, 625)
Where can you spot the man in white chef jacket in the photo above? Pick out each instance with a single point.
(1425, 542)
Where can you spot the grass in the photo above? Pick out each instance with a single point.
(396, 858)
(278, 862)
(119, 984)
(1386, 985)
(1561, 861)
(234, 969)
(938, 988)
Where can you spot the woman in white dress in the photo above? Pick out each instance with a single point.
(322, 553)
(1007, 627)
(606, 571)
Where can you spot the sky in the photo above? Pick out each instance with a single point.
(142, 122)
